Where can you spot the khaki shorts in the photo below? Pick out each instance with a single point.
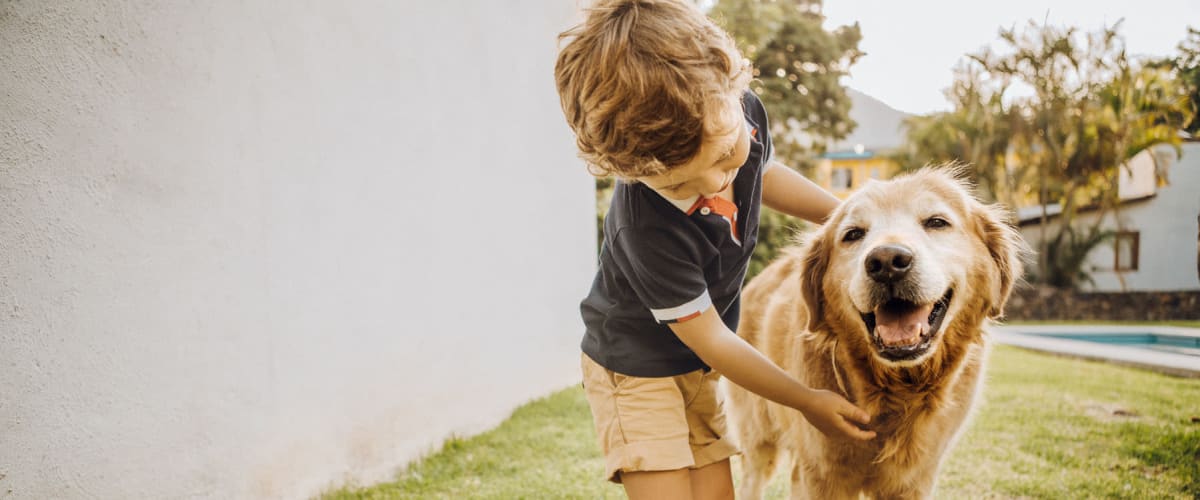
(656, 424)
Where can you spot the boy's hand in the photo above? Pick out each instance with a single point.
(743, 365)
(834, 416)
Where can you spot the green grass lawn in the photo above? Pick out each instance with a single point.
(1049, 427)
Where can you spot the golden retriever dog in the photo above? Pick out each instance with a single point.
(885, 304)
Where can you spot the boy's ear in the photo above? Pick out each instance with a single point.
(812, 279)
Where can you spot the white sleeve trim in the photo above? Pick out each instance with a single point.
(685, 311)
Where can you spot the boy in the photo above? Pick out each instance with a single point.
(657, 95)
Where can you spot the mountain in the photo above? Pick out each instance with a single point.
(879, 125)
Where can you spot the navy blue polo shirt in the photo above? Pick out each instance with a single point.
(662, 262)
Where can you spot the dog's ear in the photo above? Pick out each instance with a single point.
(1007, 249)
(812, 278)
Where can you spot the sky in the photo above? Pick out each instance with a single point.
(912, 46)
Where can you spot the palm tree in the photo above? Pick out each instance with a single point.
(1091, 110)
(1138, 109)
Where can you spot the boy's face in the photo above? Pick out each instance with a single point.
(724, 150)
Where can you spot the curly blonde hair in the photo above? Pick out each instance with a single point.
(635, 81)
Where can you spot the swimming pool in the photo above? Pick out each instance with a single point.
(1173, 350)
(1159, 342)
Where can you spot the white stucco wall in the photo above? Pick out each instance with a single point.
(1168, 225)
(1137, 178)
(259, 249)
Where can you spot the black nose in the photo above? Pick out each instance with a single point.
(889, 263)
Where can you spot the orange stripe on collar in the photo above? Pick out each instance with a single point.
(719, 206)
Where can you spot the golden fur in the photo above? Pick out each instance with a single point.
(806, 313)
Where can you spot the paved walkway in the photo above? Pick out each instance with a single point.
(1184, 362)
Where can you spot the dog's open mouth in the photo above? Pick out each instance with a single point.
(902, 330)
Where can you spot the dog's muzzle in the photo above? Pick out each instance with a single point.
(901, 325)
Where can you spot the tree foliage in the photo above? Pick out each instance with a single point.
(1086, 109)
(798, 66)
(1187, 65)
(978, 134)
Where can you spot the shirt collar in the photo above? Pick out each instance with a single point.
(682, 205)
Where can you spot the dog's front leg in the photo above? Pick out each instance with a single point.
(917, 485)
(817, 483)
(758, 465)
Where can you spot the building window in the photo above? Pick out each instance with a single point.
(841, 179)
(1125, 251)
(876, 173)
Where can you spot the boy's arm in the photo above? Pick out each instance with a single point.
(789, 192)
(730, 355)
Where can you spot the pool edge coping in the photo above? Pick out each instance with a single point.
(1026, 336)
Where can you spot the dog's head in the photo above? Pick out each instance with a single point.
(901, 262)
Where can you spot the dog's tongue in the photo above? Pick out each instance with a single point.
(901, 324)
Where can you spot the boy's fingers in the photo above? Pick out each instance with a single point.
(856, 414)
(857, 433)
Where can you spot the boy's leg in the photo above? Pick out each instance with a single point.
(641, 425)
(670, 484)
(711, 477)
(713, 481)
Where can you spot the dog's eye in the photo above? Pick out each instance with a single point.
(936, 223)
(854, 235)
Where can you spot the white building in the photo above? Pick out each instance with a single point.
(262, 249)
(1157, 245)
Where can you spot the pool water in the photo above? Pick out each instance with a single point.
(1154, 341)
(1171, 350)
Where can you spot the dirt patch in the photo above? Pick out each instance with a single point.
(1109, 412)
